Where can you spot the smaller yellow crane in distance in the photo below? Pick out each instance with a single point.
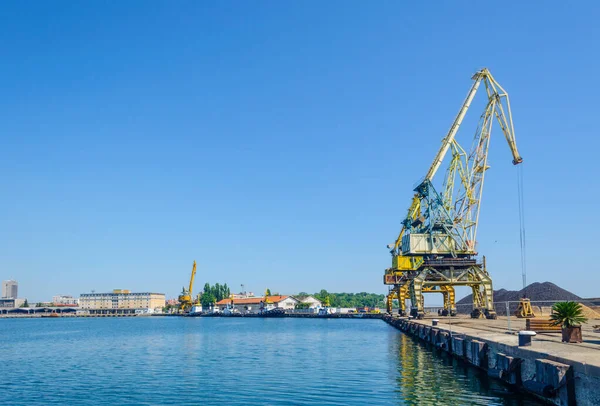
(185, 299)
(267, 295)
(266, 301)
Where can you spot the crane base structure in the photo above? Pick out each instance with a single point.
(401, 293)
(440, 276)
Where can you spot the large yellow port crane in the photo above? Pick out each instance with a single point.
(185, 299)
(436, 247)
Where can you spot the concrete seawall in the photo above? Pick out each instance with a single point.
(561, 374)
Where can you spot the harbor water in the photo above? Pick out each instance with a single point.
(233, 361)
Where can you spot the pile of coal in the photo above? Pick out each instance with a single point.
(544, 293)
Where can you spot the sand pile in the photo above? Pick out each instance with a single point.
(590, 313)
(546, 311)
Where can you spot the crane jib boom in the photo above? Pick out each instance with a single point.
(483, 74)
(478, 158)
(453, 129)
(192, 278)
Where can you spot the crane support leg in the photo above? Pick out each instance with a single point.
(399, 292)
(446, 310)
(483, 294)
(415, 289)
(452, 301)
(449, 300)
(488, 290)
(402, 292)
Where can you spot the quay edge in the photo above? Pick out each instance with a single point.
(557, 380)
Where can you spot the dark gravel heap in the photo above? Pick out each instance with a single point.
(535, 291)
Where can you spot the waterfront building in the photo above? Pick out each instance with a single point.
(284, 302)
(253, 304)
(311, 301)
(64, 300)
(11, 303)
(122, 301)
(243, 295)
(10, 289)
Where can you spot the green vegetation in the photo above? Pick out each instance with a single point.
(213, 294)
(302, 306)
(567, 314)
(349, 299)
(26, 304)
(207, 300)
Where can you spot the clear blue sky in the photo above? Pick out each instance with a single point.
(277, 143)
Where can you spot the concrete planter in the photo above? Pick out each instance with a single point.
(572, 335)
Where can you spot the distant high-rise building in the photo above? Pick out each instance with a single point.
(9, 289)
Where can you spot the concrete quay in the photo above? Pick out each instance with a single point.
(559, 373)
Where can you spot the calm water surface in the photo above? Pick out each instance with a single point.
(213, 361)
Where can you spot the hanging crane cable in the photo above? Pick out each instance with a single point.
(524, 309)
(522, 238)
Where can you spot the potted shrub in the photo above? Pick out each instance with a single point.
(568, 315)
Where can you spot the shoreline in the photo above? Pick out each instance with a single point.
(212, 315)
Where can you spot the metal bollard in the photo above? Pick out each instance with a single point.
(525, 338)
(434, 322)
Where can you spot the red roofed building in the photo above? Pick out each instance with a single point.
(254, 304)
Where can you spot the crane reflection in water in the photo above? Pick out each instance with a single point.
(431, 376)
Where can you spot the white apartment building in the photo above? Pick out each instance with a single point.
(64, 300)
